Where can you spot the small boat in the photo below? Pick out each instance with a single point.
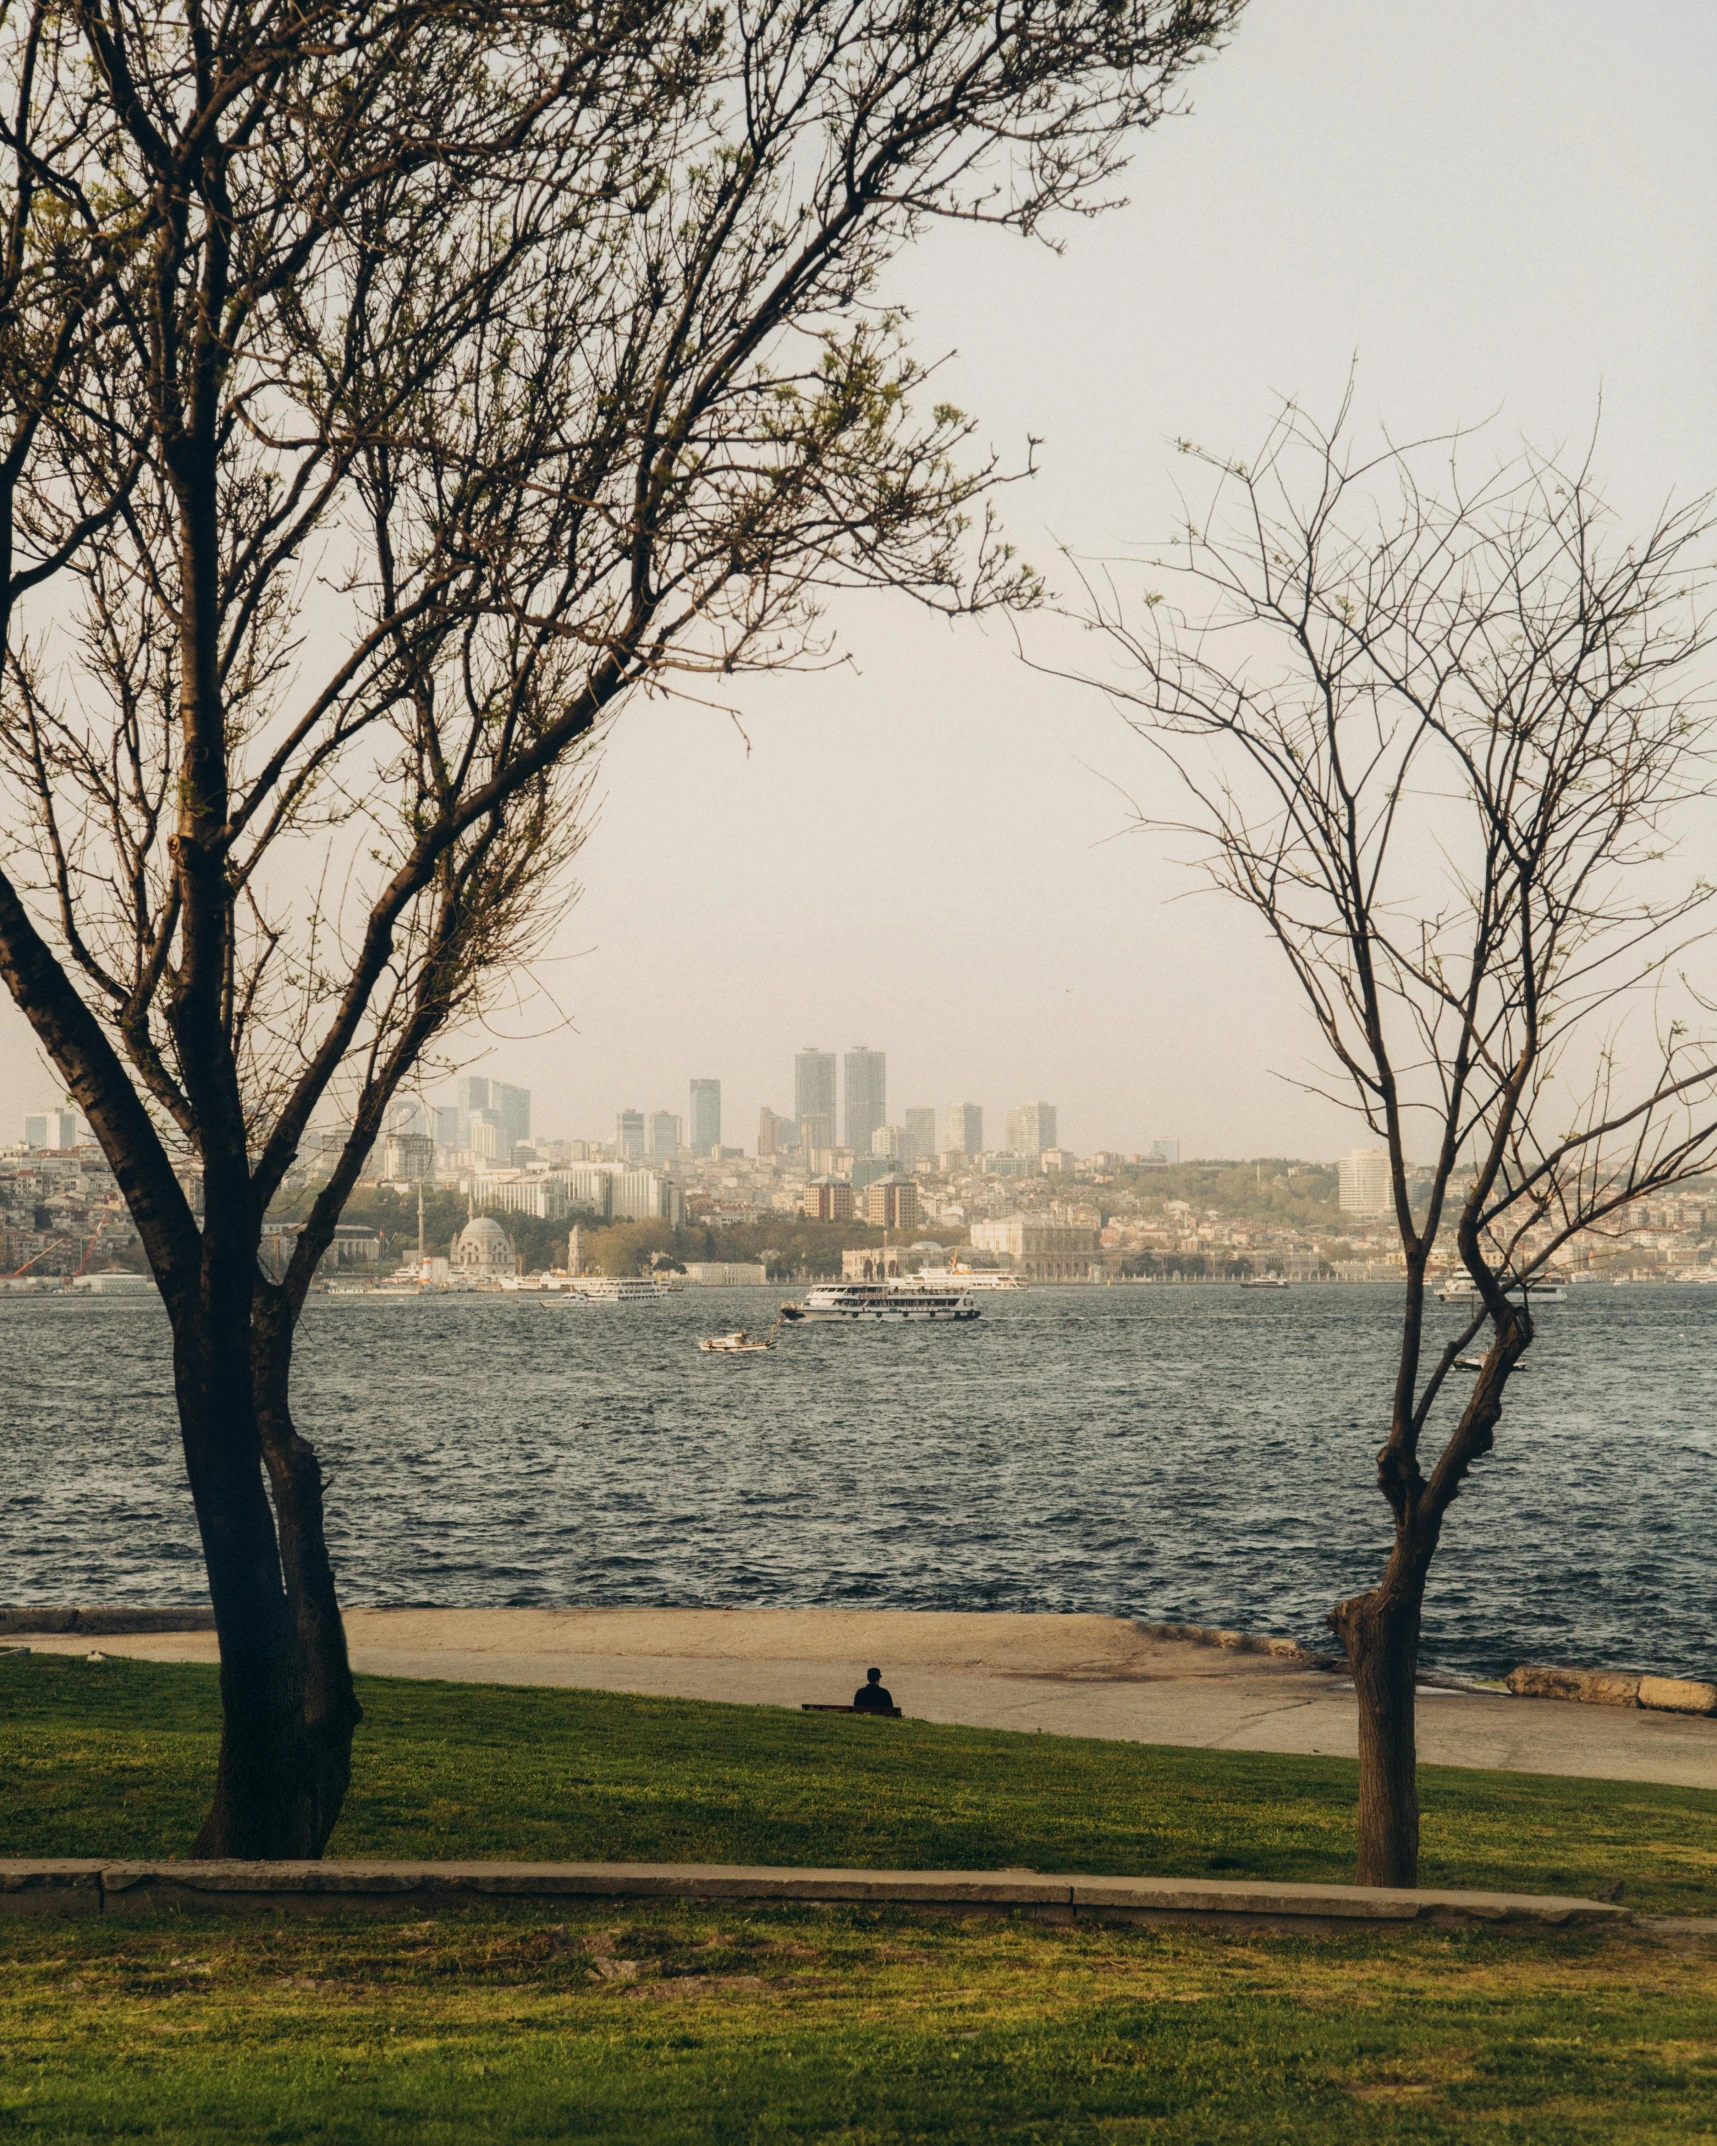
(1264, 1281)
(738, 1343)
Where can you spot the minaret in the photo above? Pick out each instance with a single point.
(420, 1229)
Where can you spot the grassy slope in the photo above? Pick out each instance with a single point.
(116, 1758)
(682, 2023)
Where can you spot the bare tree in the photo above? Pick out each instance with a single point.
(1436, 736)
(387, 392)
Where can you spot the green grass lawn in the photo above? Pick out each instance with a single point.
(682, 2024)
(687, 2023)
(117, 1758)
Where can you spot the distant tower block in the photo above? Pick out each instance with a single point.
(920, 1136)
(814, 1092)
(706, 1116)
(865, 1080)
(1031, 1128)
(966, 1128)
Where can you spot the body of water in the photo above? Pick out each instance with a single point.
(1195, 1453)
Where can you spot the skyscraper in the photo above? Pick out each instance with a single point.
(966, 1128)
(664, 1136)
(706, 1116)
(513, 1108)
(921, 1133)
(1031, 1128)
(1363, 1179)
(814, 1096)
(629, 1135)
(865, 1081)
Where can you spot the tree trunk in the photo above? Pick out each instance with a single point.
(1380, 1631)
(286, 1694)
(329, 1706)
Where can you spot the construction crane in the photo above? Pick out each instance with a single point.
(96, 1232)
(18, 1273)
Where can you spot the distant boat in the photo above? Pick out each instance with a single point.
(618, 1288)
(967, 1277)
(738, 1343)
(1264, 1281)
(1462, 1289)
(856, 1303)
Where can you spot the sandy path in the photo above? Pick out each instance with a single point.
(1072, 1676)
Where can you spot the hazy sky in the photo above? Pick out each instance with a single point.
(1491, 208)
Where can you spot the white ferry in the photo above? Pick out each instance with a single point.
(1462, 1289)
(617, 1289)
(968, 1278)
(916, 1297)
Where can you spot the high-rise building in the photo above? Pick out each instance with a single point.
(775, 1135)
(1363, 1176)
(921, 1135)
(629, 1135)
(449, 1125)
(1031, 1128)
(408, 1155)
(891, 1141)
(864, 1078)
(663, 1138)
(36, 1129)
(891, 1203)
(966, 1129)
(406, 1115)
(706, 1116)
(814, 1092)
(512, 1106)
(473, 1092)
(1166, 1151)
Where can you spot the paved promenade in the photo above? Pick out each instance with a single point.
(1070, 1676)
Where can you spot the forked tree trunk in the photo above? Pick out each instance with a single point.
(1380, 1631)
(286, 1689)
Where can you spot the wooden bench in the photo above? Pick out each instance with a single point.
(886, 1713)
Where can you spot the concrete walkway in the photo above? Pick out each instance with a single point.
(1069, 1676)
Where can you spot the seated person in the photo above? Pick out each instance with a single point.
(873, 1695)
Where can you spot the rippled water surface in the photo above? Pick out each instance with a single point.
(1161, 1452)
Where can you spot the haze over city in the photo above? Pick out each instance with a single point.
(924, 850)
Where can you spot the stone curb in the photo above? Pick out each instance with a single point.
(111, 1622)
(92, 1886)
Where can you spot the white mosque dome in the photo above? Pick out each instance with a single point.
(484, 1247)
